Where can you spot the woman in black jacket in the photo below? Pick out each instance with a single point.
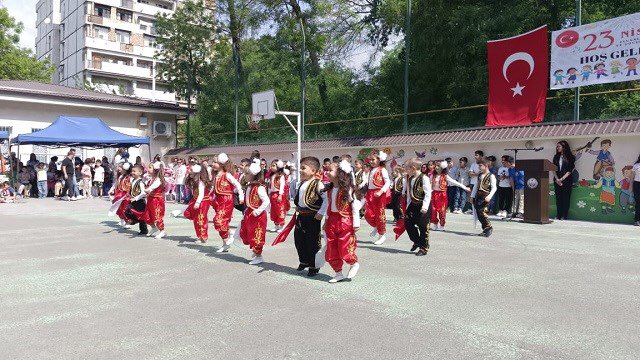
(565, 161)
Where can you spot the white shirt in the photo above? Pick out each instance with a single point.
(636, 170)
(494, 188)
(385, 177)
(180, 174)
(98, 174)
(504, 183)
(323, 195)
(264, 197)
(426, 187)
(450, 181)
(474, 168)
(200, 193)
(154, 185)
(355, 206)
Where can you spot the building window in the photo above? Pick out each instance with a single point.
(62, 51)
(101, 32)
(48, 42)
(123, 15)
(102, 11)
(62, 30)
(61, 72)
(35, 129)
(149, 40)
(8, 129)
(123, 36)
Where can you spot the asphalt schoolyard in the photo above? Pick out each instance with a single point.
(74, 285)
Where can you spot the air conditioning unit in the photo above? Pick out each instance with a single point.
(161, 128)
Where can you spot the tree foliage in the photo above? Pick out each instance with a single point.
(18, 63)
(448, 64)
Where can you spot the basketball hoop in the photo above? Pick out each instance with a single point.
(253, 121)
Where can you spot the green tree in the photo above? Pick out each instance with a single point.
(18, 63)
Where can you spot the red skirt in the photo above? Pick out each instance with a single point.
(279, 209)
(253, 230)
(200, 217)
(119, 194)
(154, 213)
(223, 206)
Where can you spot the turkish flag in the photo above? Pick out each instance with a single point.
(518, 78)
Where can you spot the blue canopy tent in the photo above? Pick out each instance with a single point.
(4, 135)
(79, 132)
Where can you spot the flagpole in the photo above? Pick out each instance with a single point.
(576, 101)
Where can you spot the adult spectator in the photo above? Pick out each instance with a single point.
(108, 175)
(565, 161)
(636, 190)
(78, 177)
(451, 190)
(180, 173)
(33, 161)
(474, 170)
(68, 172)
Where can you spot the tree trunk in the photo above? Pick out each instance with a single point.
(234, 28)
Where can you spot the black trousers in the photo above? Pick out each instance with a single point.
(307, 238)
(636, 196)
(563, 198)
(505, 199)
(395, 205)
(482, 212)
(417, 225)
(68, 187)
(139, 206)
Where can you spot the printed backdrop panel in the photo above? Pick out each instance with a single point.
(597, 53)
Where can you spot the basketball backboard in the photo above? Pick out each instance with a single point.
(264, 103)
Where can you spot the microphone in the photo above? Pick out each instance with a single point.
(539, 149)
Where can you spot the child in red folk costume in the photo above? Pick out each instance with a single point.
(198, 209)
(120, 190)
(343, 221)
(277, 195)
(376, 199)
(253, 227)
(154, 213)
(224, 185)
(439, 183)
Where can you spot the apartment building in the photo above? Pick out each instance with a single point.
(108, 45)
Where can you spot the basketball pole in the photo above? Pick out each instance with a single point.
(298, 130)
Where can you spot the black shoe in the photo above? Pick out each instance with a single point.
(302, 267)
(422, 252)
(313, 272)
(482, 234)
(488, 232)
(414, 248)
(142, 233)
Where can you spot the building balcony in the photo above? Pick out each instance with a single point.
(149, 9)
(102, 44)
(123, 4)
(149, 94)
(119, 69)
(146, 51)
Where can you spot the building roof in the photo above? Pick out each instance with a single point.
(25, 87)
(561, 130)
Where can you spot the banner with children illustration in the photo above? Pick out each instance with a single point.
(598, 53)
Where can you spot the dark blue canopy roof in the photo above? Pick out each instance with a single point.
(4, 135)
(79, 131)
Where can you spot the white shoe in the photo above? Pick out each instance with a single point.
(160, 235)
(440, 227)
(223, 249)
(74, 198)
(374, 232)
(127, 226)
(122, 222)
(337, 278)
(230, 239)
(256, 260)
(65, 198)
(353, 271)
(275, 229)
(381, 240)
(433, 227)
(176, 213)
(280, 230)
(152, 231)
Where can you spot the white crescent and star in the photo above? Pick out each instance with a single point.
(519, 56)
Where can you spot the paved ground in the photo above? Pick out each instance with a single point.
(75, 286)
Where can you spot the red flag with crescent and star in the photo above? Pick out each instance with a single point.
(518, 78)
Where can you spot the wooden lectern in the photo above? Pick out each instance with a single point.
(536, 189)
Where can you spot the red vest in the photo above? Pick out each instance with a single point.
(344, 208)
(222, 185)
(254, 201)
(378, 180)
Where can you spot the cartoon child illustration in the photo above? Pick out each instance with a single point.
(609, 185)
(600, 70)
(615, 67)
(586, 71)
(558, 76)
(626, 189)
(572, 72)
(604, 158)
(632, 64)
